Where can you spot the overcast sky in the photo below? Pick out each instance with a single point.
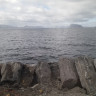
(48, 12)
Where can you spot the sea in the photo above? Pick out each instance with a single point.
(31, 45)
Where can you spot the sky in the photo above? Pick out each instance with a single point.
(50, 13)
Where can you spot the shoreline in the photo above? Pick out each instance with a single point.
(68, 77)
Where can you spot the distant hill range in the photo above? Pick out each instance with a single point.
(32, 27)
(13, 27)
(75, 26)
(7, 26)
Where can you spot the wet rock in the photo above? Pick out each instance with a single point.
(87, 74)
(28, 73)
(55, 75)
(68, 73)
(43, 73)
(11, 72)
(0, 66)
(55, 72)
(95, 63)
(16, 69)
(0, 70)
(6, 72)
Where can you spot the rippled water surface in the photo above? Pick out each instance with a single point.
(32, 45)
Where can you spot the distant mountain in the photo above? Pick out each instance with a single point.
(75, 26)
(7, 26)
(33, 27)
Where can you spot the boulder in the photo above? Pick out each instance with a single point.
(95, 63)
(55, 72)
(43, 73)
(11, 72)
(16, 69)
(0, 70)
(1, 66)
(68, 73)
(28, 76)
(55, 75)
(87, 74)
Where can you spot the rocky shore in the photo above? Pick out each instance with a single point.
(67, 77)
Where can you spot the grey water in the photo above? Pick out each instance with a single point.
(32, 45)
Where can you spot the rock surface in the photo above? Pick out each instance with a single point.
(55, 75)
(27, 75)
(95, 63)
(43, 72)
(86, 74)
(65, 73)
(11, 72)
(0, 71)
(55, 72)
(73, 92)
(76, 92)
(68, 73)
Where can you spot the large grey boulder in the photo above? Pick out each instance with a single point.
(68, 73)
(55, 72)
(11, 72)
(95, 63)
(1, 66)
(28, 75)
(87, 74)
(0, 70)
(43, 73)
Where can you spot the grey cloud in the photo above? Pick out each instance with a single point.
(51, 12)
